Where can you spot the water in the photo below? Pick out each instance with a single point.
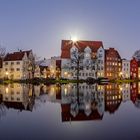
(85, 112)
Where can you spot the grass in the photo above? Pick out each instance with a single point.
(61, 81)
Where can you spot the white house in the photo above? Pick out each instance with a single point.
(125, 68)
(87, 56)
(17, 65)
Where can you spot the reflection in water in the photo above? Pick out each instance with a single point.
(78, 101)
(16, 96)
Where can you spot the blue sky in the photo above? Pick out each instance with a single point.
(42, 24)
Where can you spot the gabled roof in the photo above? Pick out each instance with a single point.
(81, 45)
(108, 52)
(16, 55)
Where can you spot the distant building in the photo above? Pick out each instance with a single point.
(89, 56)
(17, 65)
(134, 68)
(113, 64)
(125, 69)
(48, 68)
(139, 69)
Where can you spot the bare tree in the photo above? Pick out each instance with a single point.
(2, 51)
(76, 62)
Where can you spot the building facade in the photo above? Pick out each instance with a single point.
(48, 68)
(82, 59)
(16, 65)
(113, 65)
(125, 69)
(138, 69)
(134, 68)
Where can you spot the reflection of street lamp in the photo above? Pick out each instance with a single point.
(7, 74)
(66, 74)
(30, 70)
(120, 74)
(7, 90)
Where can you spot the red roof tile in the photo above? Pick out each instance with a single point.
(16, 55)
(113, 52)
(81, 45)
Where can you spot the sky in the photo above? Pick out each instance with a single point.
(40, 25)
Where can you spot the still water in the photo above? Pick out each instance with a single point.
(71, 112)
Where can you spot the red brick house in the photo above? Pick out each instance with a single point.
(133, 69)
(113, 63)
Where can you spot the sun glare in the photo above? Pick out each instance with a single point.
(74, 39)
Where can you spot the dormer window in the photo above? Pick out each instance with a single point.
(87, 53)
(74, 51)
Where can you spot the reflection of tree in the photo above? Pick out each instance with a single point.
(2, 110)
(85, 101)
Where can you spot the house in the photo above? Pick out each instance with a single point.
(48, 68)
(133, 68)
(18, 65)
(82, 59)
(125, 69)
(113, 64)
(139, 69)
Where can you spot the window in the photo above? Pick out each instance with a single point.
(12, 63)
(18, 69)
(18, 63)
(12, 69)
(6, 69)
(6, 63)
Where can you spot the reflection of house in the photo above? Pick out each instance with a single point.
(85, 102)
(113, 64)
(113, 97)
(134, 91)
(125, 88)
(17, 96)
(90, 60)
(81, 116)
(16, 65)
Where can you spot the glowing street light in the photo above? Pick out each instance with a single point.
(7, 73)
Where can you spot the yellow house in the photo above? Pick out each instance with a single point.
(17, 65)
